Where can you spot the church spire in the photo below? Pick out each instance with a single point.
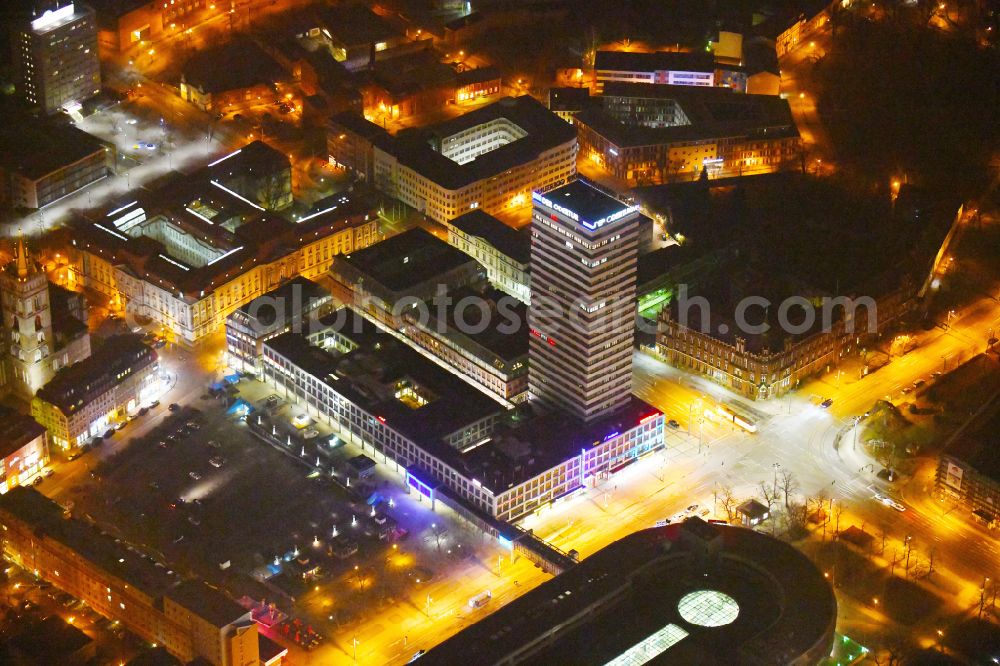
(23, 260)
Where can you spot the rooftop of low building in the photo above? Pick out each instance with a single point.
(234, 65)
(16, 430)
(569, 99)
(289, 300)
(712, 112)
(533, 443)
(979, 445)
(50, 640)
(634, 61)
(116, 558)
(33, 147)
(352, 23)
(78, 384)
(508, 241)
(544, 131)
(50, 520)
(486, 317)
(402, 261)
(235, 233)
(409, 74)
(404, 389)
(207, 603)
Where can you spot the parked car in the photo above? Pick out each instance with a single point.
(673, 424)
(174, 407)
(195, 475)
(216, 461)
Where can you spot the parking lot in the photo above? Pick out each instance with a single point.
(197, 490)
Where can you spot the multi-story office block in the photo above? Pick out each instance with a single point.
(84, 400)
(503, 251)
(582, 315)
(647, 133)
(55, 56)
(489, 159)
(43, 160)
(291, 306)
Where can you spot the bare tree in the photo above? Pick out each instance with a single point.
(768, 493)
(788, 484)
(896, 557)
(885, 454)
(728, 501)
(838, 511)
(883, 535)
(819, 505)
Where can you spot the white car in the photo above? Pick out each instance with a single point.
(889, 502)
(195, 475)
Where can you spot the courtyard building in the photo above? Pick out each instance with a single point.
(489, 159)
(650, 133)
(189, 253)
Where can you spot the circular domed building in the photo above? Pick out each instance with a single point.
(687, 593)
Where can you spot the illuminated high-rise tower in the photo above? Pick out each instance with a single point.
(55, 55)
(584, 251)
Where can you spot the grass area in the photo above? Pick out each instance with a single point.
(891, 438)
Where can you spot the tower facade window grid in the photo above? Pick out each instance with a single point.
(582, 315)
